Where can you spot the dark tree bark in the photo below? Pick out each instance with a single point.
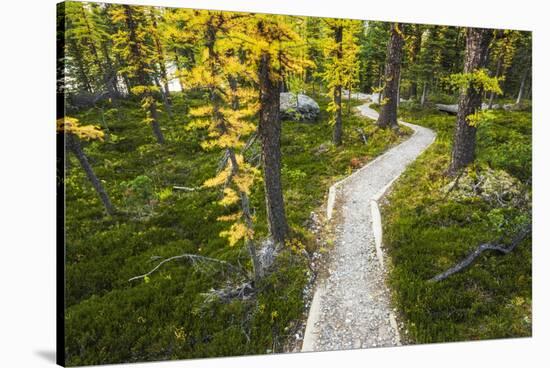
(463, 153)
(142, 77)
(337, 132)
(388, 112)
(73, 144)
(269, 131)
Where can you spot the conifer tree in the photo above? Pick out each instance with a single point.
(342, 67)
(270, 44)
(74, 132)
(132, 44)
(226, 116)
(159, 56)
(373, 56)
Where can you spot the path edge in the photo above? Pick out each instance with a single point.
(310, 333)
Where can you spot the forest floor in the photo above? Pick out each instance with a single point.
(351, 307)
(168, 316)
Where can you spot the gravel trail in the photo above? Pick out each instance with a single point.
(351, 305)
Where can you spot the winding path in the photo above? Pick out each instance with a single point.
(351, 305)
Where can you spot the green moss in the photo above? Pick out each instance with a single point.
(426, 232)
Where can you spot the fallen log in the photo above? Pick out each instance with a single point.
(450, 109)
(520, 236)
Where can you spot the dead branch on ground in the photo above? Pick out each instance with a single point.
(504, 249)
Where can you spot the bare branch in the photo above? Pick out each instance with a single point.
(192, 258)
(187, 189)
(520, 236)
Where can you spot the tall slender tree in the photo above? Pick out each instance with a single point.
(268, 40)
(388, 112)
(74, 132)
(132, 43)
(227, 116)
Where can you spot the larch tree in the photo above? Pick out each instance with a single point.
(132, 44)
(180, 50)
(334, 77)
(341, 67)
(314, 35)
(388, 111)
(160, 57)
(227, 117)
(89, 48)
(472, 83)
(350, 58)
(74, 132)
(77, 58)
(270, 42)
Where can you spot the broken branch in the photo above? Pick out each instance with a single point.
(520, 236)
(193, 258)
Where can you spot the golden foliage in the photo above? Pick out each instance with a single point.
(69, 125)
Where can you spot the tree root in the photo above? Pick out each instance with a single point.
(518, 238)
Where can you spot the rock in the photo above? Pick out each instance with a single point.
(323, 148)
(267, 253)
(303, 108)
(493, 186)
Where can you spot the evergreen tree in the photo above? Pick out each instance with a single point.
(227, 118)
(132, 44)
(373, 56)
(74, 132)
(342, 67)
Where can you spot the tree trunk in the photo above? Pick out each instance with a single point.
(155, 124)
(424, 94)
(162, 63)
(337, 98)
(74, 145)
(82, 70)
(397, 100)
(522, 85)
(497, 74)
(142, 76)
(269, 131)
(379, 85)
(463, 153)
(417, 45)
(388, 112)
(349, 101)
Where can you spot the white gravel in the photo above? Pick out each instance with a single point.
(351, 306)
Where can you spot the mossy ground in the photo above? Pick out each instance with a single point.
(111, 320)
(426, 233)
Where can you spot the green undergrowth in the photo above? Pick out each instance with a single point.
(427, 232)
(169, 315)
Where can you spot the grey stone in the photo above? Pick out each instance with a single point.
(301, 108)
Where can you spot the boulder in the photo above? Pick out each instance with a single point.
(303, 108)
(493, 186)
